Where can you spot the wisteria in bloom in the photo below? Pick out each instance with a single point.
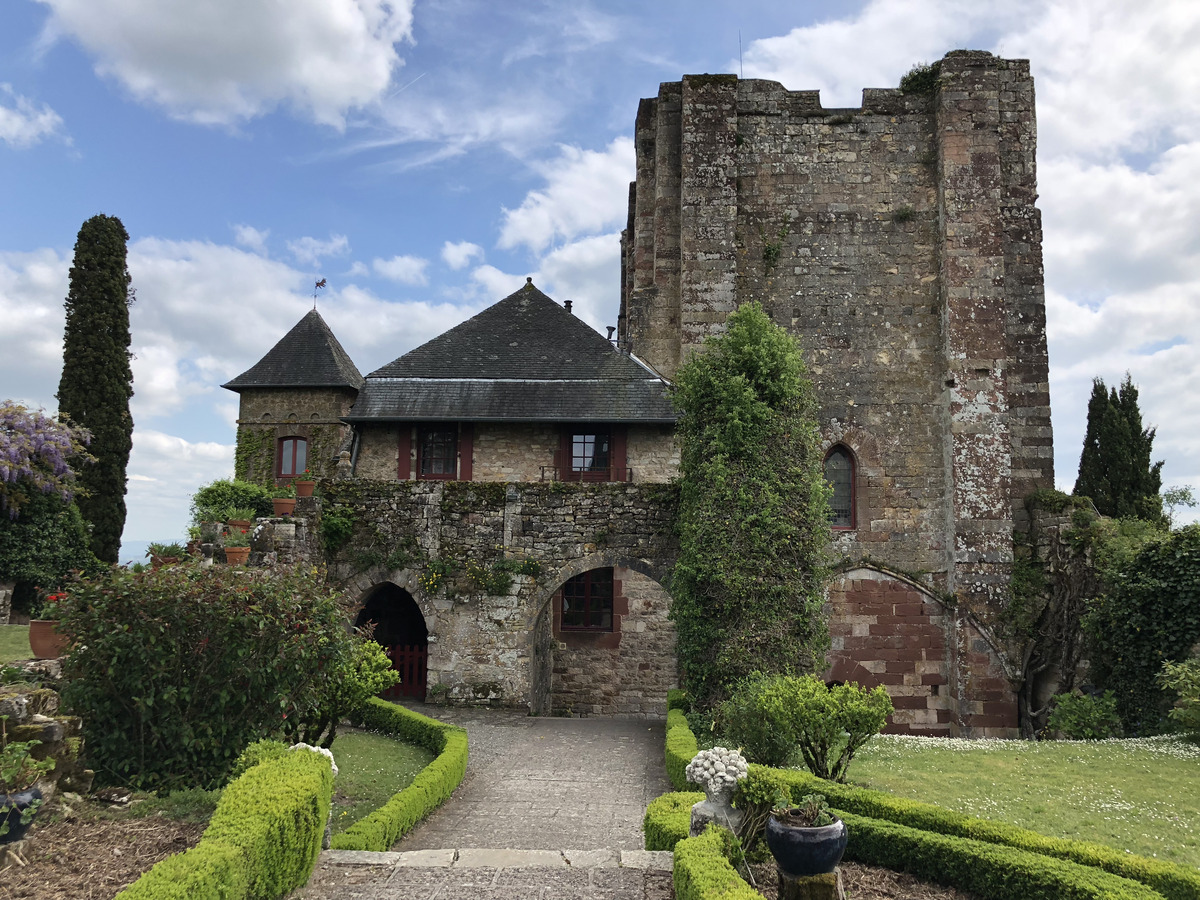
(36, 453)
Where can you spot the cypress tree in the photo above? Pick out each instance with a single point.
(97, 381)
(1114, 468)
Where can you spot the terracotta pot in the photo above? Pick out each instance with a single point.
(237, 556)
(284, 506)
(45, 640)
(243, 524)
(157, 562)
(304, 488)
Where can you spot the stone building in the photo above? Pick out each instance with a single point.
(898, 241)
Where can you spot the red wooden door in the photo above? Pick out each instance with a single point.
(410, 663)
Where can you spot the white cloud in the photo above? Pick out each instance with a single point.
(358, 269)
(459, 256)
(586, 191)
(588, 273)
(312, 250)
(164, 472)
(22, 124)
(32, 289)
(496, 284)
(224, 61)
(249, 236)
(402, 269)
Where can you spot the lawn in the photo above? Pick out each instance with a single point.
(1137, 795)
(14, 643)
(371, 768)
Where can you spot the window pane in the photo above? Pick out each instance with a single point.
(839, 472)
(437, 450)
(301, 455)
(589, 452)
(293, 454)
(587, 601)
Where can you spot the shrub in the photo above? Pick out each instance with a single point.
(780, 719)
(176, 671)
(263, 839)
(432, 786)
(257, 753)
(213, 502)
(921, 79)
(1184, 678)
(364, 672)
(1081, 717)
(669, 818)
(703, 870)
(41, 546)
(680, 748)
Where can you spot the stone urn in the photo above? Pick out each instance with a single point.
(716, 772)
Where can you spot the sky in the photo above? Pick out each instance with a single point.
(425, 157)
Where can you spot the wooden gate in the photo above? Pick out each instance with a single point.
(410, 663)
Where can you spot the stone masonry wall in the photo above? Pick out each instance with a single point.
(268, 414)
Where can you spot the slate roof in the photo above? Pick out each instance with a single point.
(523, 359)
(307, 356)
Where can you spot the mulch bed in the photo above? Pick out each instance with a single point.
(87, 858)
(867, 883)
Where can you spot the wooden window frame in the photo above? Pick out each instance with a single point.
(449, 428)
(849, 454)
(617, 468)
(297, 470)
(586, 581)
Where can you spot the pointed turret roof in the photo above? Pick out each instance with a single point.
(525, 358)
(307, 356)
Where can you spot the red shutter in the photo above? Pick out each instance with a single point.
(466, 450)
(620, 472)
(404, 453)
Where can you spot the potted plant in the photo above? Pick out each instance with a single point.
(284, 500)
(165, 554)
(19, 794)
(240, 516)
(304, 484)
(237, 546)
(45, 640)
(806, 838)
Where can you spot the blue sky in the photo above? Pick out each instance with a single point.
(425, 157)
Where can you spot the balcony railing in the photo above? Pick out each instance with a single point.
(612, 473)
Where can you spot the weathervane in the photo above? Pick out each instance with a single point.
(316, 287)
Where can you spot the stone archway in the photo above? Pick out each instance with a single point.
(400, 628)
(620, 663)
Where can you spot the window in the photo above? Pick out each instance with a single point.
(292, 458)
(587, 602)
(437, 452)
(839, 472)
(592, 453)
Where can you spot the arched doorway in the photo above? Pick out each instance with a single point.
(400, 630)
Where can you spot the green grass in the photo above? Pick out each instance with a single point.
(1142, 796)
(371, 768)
(14, 643)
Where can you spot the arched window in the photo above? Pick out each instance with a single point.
(292, 458)
(839, 472)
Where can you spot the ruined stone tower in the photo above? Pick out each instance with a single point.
(899, 242)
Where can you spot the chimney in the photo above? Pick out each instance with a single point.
(611, 329)
(567, 304)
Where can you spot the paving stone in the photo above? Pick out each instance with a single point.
(474, 858)
(661, 860)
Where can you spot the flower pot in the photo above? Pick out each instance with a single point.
(44, 639)
(239, 523)
(284, 506)
(304, 488)
(13, 810)
(157, 562)
(237, 556)
(801, 851)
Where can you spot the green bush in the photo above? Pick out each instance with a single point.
(680, 748)
(669, 818)
(256, 754)
(176, 671)
(923, 78)
(42, 546)
(213, 502)
(703, 870)
(429, 790)
(363, 672)
(679, 699)
(1184, 679)
(1083, 718)
(781, 719)
(988, 870)
(263, 839)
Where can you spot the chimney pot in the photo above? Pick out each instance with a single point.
(567, 304)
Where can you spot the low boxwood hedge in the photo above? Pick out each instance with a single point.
(262, 841)
(1173, 881)
(668, 819)
(680, 748)
(703, 872)
(429, 790)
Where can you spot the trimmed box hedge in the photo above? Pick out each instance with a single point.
(702, 871)
(262, 841)
(668, 819)
(429, 790)
(680, 748)
(1171, 880)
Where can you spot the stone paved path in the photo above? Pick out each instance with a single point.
(549, 809)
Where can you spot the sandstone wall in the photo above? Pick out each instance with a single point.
(267, 414)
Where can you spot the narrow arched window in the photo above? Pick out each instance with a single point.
(839, 472)
(292, 458)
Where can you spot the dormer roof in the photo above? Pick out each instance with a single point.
(525, 358)
(308, 356)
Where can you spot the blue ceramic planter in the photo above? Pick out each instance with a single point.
(14, 806)
(803, 851)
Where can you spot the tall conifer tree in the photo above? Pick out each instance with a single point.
(97, 381)
(1115, 469)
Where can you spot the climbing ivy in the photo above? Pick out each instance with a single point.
(753, 516)
(254, 455)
